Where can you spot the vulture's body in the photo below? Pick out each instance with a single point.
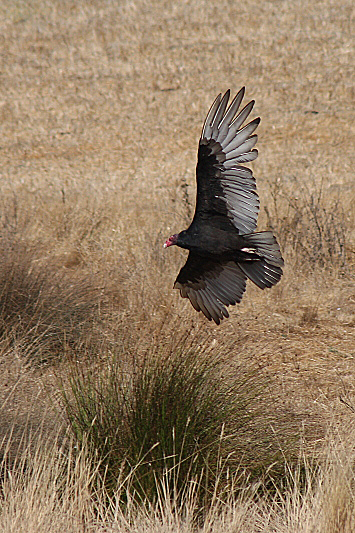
(224, 249)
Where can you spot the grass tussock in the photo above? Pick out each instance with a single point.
(182, 418)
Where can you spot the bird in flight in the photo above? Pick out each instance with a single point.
(224, 249)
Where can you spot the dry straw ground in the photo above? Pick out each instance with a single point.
(101, 106)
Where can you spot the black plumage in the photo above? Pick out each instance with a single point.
(223, 248)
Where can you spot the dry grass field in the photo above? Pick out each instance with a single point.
(101, 108)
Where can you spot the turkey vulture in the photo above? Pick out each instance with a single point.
(224, 249)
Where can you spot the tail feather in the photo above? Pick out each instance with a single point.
(265, 271)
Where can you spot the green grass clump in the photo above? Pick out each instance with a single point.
(179, 420)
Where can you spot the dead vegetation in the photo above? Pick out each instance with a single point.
(314, 230)
(45, 311)
(101, 107)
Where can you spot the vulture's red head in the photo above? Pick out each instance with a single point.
(172, 240)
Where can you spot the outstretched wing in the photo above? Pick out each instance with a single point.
(224, 187)
(211, 285)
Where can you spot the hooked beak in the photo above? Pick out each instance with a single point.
(172, 240)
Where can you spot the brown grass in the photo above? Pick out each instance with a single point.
(101, 106)
(50, 488)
